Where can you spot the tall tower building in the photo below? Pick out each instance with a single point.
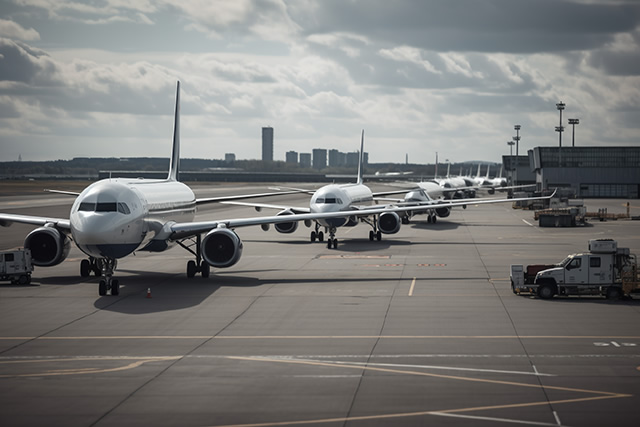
(267, 144)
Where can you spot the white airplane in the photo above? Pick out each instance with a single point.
(114, 218)
(356, 198)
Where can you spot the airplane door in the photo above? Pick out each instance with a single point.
(576, 272)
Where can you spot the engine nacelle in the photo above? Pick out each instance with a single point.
(221, 248)
(48, 246)
(443, 212)
(286, 227)
(389, 222)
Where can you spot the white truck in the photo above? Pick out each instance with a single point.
(605, 270)
(16, 266)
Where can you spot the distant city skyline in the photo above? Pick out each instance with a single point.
(98, 78)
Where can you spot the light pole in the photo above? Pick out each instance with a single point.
(560, 106)
(517, 140)
(573, 123)
(511, 144)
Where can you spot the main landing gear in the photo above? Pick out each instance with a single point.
(198, 265)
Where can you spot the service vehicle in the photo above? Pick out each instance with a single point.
(16, 266)
(605, 270)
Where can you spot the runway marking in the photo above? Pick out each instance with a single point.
(354, 257)
(527, 222)
(447, 412)
(80, 371)
(313, 337)
(413, 284)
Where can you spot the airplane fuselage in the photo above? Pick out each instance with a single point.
(339, 197)
(112, 218)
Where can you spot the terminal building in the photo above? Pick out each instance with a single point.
(598, 172)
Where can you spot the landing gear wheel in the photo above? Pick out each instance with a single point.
(435, 219)
(320, 236)
(102, 288)
(329, 244)
(371, 235)
(335, 243)
(115, 287)
(379, 235)
(85, 268)
(205, 268)
(313, 236)
(192, 269)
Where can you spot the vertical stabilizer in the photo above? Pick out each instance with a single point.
(174, 162)
(361, 159)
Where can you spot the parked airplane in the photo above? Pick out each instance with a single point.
(357, 197)
(113, 218)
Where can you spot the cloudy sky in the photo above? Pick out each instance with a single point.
(97, 78)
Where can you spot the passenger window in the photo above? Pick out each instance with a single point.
(8, 257)
(594, 262)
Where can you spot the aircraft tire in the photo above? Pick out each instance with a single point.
(205, 268)
(371, 235)
(313, 236)
(85, 268)
(320, 236)
(115, 287)
(335, 243)
(102, 288)
(192, 268)
(379, 235)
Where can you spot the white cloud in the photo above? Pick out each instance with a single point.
(14, 30)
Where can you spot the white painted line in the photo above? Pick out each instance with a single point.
(527, 222)
(555, 415)
(503, 420)
(413, 285)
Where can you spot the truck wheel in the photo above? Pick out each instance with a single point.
(546, 290)
(614, 292)
(23, 280)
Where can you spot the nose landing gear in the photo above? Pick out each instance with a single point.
(108, 283)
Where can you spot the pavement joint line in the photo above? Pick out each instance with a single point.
(295, 337)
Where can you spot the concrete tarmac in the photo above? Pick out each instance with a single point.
(420, 328)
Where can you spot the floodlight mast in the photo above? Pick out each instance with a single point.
(517, 140)
(560, 106)
(573, 123)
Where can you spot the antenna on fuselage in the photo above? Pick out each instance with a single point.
(361, 159)
(174, 162)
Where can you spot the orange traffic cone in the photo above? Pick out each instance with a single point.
(148, 292)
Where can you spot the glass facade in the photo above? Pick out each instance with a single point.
(591, 157)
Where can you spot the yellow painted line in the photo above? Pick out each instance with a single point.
(82, 371)
(413, 285)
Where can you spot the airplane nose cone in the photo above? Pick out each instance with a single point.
(103, 236)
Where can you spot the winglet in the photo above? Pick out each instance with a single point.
(174, 162)
(361, 159)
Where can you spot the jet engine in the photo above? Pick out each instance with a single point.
(48, 246)
(221, 247)
(443, 212)
(286, 227)
(389, 222)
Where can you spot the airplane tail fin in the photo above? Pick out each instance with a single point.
(361, 160)
(174, 162)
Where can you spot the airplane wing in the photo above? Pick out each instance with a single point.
(260, 206)
(220, 199)
(182, 230)
(7, 219)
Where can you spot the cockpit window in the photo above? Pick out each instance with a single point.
(87, 207)
(104, 207)
(123, 208)
(329, 200)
